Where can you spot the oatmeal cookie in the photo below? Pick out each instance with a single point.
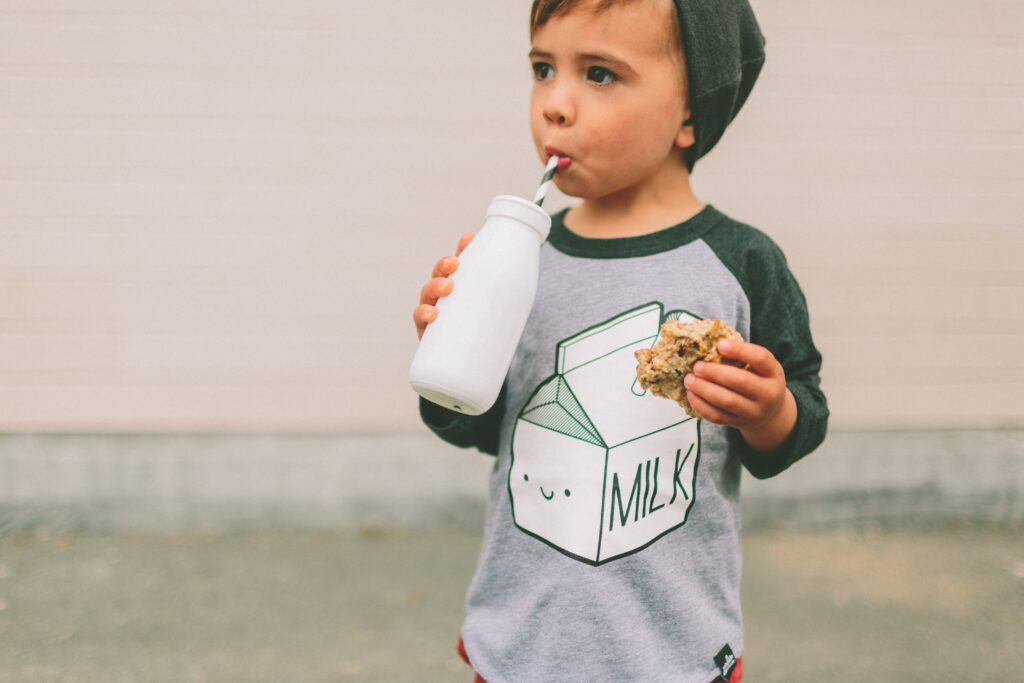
(662, 367)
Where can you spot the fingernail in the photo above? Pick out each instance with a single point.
(698, 366)
(688, 380)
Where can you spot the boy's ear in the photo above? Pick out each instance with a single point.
(685, 137)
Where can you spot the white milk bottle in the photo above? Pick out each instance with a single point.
(464, 355)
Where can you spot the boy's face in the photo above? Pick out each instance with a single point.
(609, 93)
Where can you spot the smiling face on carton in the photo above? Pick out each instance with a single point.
(610, 92)
(550, 464)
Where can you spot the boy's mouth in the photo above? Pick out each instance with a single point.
(564, 160)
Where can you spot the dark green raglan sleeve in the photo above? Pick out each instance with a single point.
(779, 321)
(466, 431)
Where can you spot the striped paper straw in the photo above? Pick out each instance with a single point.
(545, 182)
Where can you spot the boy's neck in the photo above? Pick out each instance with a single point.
(638, 210)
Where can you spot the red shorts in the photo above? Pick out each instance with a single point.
(735, 677)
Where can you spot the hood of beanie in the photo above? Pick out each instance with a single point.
(724, 50)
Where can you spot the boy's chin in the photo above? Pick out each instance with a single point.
(581, 194)
(571, 189)
(583, 187)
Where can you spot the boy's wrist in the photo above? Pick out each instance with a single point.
(767, 437)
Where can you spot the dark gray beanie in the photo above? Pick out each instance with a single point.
(724, 51)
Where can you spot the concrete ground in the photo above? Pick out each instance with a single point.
(377, 605)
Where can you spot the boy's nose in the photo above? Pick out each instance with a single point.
(559, 116)
(559, 109)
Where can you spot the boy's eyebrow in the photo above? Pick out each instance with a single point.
(588, 56)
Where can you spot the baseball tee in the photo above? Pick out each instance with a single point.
(611, 547)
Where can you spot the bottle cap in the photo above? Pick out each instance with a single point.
(522, 210)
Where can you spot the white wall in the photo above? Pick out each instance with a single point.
(216, 215)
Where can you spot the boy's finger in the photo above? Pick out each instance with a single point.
(426, 294)
(757, 357)
(464, 241)
(711, 413)
(718, 396)
(740, 380)
(421, 317)
(435, 289)
(445, 266)
(423, 314)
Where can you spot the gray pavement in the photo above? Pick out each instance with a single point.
(385, 605)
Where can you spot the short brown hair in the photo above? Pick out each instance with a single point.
(543, 10)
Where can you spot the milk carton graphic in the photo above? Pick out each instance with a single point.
(600, 467)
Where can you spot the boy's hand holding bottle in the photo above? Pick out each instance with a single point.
(438, 286)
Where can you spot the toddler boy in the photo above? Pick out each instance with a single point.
(611, 547)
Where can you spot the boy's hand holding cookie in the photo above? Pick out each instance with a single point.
(709, 370)
(754, 400)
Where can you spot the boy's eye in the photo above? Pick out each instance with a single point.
(542, 70)
(601, 75)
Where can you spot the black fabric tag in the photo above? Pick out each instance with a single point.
(725, 660)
